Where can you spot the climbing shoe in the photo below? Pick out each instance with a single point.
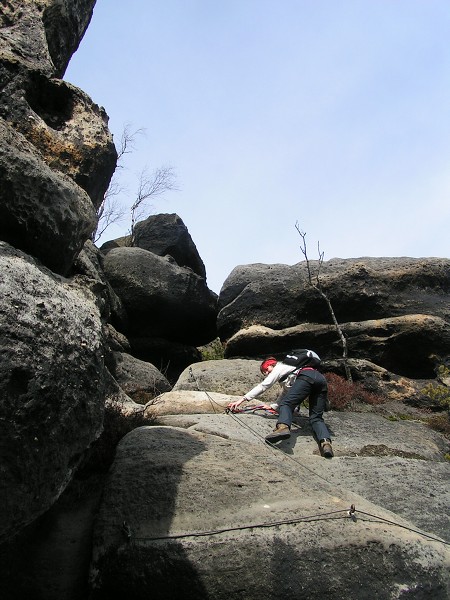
(281, 432)
(327, 450)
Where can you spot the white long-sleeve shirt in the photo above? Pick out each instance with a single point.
(273, 377)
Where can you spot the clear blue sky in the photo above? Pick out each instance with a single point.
(332, 113)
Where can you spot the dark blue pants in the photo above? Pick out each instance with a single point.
(314, 385)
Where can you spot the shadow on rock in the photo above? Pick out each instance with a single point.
(134, 556)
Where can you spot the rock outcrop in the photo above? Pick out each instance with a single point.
(161, 282)
(56, 153)
(162, 531)
(56, 160)
(279, 296)
(161, 299)
(408, 345)
(164, 235)
(395, 311)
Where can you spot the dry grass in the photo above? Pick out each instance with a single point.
(343, 394)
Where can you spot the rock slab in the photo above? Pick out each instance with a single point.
(210, 512)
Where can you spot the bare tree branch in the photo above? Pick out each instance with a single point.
(315, 283)
(150, 186)
(110, 211)
(127, 142)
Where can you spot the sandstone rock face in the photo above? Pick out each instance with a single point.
(165, 234)
(56, 153)
(45, 30)
(394, 311)
(199, 470)
(65, 22)
(278, 296)
(68, 131)
(161, 299)
(51, 385)
(264, 525)
(42, 212)
(406, 345)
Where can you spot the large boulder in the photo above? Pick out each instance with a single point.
(138, 377)
(52, 379)
(41, 211)
(211, 512)
(227, 376)
(279, 296)
(166, 234)
(161, 298)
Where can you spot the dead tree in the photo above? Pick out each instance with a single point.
(111, 210)
(150, 186)
(315, 282)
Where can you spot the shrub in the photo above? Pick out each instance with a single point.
(443, 372)
(212, 351)
(439, 394)
(343, 393)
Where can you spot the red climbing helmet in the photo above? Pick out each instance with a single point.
(271, 361)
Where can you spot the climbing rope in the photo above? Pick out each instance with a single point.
(328, 516)
(252, 409)
(268, 524)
